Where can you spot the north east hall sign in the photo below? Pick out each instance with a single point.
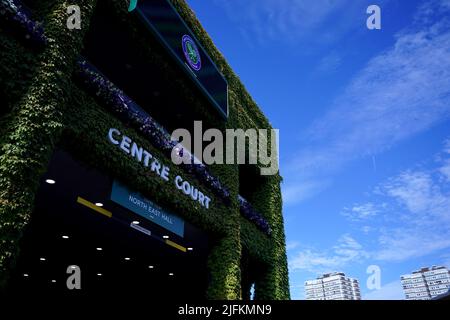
(128, 146)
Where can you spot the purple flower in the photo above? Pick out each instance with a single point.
(14, 13)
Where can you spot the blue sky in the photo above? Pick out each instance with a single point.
(364, 127)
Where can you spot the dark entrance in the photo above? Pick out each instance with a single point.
(96, 235)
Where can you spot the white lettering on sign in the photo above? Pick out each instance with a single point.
(138, 202)
(192, 191)
(154, 212)
(167, 218)
(138, 153)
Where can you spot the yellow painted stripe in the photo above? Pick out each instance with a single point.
(176, 245)
(92, 206)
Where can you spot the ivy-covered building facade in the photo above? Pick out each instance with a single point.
(87, 184)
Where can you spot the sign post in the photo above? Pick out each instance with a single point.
(135, 202)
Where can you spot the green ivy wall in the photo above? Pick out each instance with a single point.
(43, 109)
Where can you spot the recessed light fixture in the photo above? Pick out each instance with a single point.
(150, 267)
(128, 259)
(99, 204)
(166, 237)
(135, 222)
(25, 274)
(99, 274)
(190, 249)
(42, 259)
(53, 281)
(65, 237)
(50, 181)
(99, 249)
(171, 274)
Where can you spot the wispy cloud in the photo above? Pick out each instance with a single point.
(445, 258)
(292, 245)
(299, 189)
(266, 21)
(347, 250)
(400, 93)
(423, 219)
(445, 167)
(406, 243)
(329, 63)
(390, 291)
(408, 219)
(359, 212)
(445, 170)
(420, 192)
(366, 229)
(416, 222)
(428, 8)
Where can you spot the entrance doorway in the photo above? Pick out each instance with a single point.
(117, 251)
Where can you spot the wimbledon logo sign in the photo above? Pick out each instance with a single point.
(191, 52)
(190, 49)
(133, 5)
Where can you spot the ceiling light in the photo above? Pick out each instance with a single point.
(99, 249)
(150, 267)
(50, 181)
(171, 274)
(128, 259)
(99, 204)
(25, 274)
(166, 237)
(135, 222)
(53, 281)
(65, 237)
(42, 259)
(99, 274)
(190, 249)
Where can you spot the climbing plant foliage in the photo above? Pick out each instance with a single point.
(44, 108)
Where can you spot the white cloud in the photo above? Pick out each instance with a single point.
(422, 193)
(400, 93)
(366, 229)
(447, 145)
(405, 243)
(329, 63)
(445, 258)
(301, 190)
(408, 217)
(445, 170)
(413, 219)
(390, 291)
(445, 159)
(364, 211)
(428, 8)
(346, 251)
(263, 20)
(292, 245)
